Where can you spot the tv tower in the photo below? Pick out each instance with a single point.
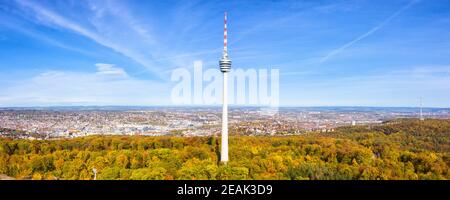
(225, 65)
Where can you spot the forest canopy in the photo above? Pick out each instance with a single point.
(398, 149)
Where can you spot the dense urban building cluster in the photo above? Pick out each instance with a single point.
(47, 123)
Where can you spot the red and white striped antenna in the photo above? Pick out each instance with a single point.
(225, 62)
(225, 49)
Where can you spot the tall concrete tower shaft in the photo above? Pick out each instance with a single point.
(225, 65)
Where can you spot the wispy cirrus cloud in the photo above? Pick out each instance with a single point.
(41, 37)
(368, 33)
(148, 39)
(117, 9)
(100, 35)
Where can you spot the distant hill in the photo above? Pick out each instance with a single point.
(411, 134)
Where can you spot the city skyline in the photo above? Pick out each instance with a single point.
(332, 53)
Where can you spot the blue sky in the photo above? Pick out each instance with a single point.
(329, 53)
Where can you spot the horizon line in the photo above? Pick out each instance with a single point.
(219, 106)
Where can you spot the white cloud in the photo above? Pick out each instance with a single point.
(110, 70)
(110, 85)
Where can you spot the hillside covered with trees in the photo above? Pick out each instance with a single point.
(399, 149)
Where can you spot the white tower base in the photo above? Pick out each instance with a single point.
(224, 151)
